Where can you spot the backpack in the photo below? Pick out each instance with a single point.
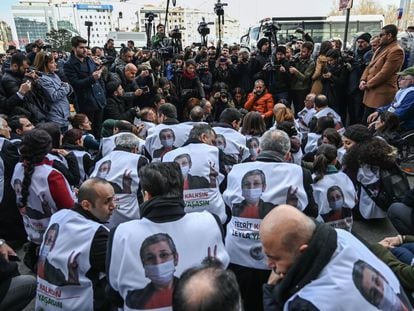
(393, 186)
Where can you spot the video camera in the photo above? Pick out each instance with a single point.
(218, 8)
(150, 16)
(175, 33)
(270, 26)
(203, 28)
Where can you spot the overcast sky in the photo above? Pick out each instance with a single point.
(248, 12)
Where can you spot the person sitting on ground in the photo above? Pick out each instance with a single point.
(403, 103)
(207, 287)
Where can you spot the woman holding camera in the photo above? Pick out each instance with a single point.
(55, 91)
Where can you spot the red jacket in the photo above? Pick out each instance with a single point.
(263, 105)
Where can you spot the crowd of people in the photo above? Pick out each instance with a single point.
(216, 179)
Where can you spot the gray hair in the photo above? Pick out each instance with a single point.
(199, 129)
(275, 140)
(2, 123)
(127, 140)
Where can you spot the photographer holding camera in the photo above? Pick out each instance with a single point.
(225, 71)
(262, 57)
(17, 84)
(334, 81)
(244, 71)
(276, 75)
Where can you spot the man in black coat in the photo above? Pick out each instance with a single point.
(85, 77)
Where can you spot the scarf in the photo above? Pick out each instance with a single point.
(162, 209)
(309, 265)
(189, 75)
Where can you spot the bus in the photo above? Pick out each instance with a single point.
(320, 28)
(121, 37)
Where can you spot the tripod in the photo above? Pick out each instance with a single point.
(218, 9)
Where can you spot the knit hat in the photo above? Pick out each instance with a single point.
(358, 133)
(407, 72)
(261, 42)
(281, 49)
(365, 36)
(108, 127)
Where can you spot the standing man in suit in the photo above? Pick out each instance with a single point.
(379, 80)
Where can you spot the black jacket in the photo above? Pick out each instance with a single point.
(89, 93)
(11, 224)
(116, 108)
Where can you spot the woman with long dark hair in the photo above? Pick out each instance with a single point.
(55, 90)
(40, 189)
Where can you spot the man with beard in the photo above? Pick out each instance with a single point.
(302, 69)
(16, 86)
(85, 77)
(362, 58)
(379, 78)
(260, 100)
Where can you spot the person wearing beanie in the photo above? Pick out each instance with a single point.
(262, 57)
(277, 77)
(379, 80)
(362, 58)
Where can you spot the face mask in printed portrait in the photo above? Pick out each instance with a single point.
(220, 142)
(184, 160)
(253, 145)
(167, 138)
(253, 185)
(18, 187)
(335, 198)
(159, 258)
(104, 169)
(375, 289)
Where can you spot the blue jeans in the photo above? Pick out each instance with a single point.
(404, 252)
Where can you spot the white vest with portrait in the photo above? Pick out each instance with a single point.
(155, 147)
(242, 239)
(40, 203)
(201, 181)
(335, 288)
(195, 236)
(329, 112)
(59, 158)
(369, 176)
(68, 260)
(235, 144)
(325, 187)
(120, 169)
(79, 154)
(312, 143)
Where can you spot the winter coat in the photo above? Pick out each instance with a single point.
(381, 77)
